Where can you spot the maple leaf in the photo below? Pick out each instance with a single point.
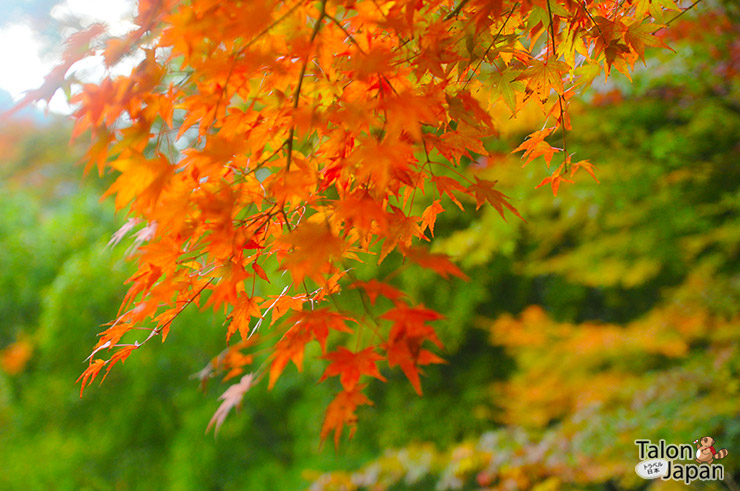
(231, 360)
(465, 137)
(52, 82)
(76, 48)
(375, 288)
(140, 177)
(446, 185)
(585, 165)
(317, 322)
(378, 162)
(407, 335)
(429, 216)
(230, 285)
(437, 262)
(506, 86)
(307, 325)
(535, 145)
(283, 304)
(615, 54)
(341, 413)
(289, 348)
(406, 354)
(639, 35)
(90, 373)
(231, 398)
(78, 44)
(351, 366)
(120, 356)
(312, 247)
(484, 192)
(246, 307)
(543, 76)
(466, 108)
(402, 230)
(554, 181)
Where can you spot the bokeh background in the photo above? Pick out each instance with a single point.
(612, 314)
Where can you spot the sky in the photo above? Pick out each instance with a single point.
(31, 35)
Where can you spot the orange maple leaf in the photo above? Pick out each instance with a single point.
(407, 335)
(90, 373)
(341, 412)
(543, 76)
(312, 248)
(585, 165)
(307, 325)
(484, 191)
(554, 181)
(535, 145)
(375, 288)
(446, 185)
(246, 307)
(437, 262)
(429, 216)
(351, 366)
(289, 348)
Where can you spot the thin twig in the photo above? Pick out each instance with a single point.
(346, 33)
(683, 12)
(264, 314)
(560, 96)
(457, 10)
(493, 43)
(585, 9)
(297, 93)
(159, 329)
(269, 28)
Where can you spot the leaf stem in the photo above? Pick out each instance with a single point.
(560, 96)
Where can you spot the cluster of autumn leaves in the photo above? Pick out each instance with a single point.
(282, 141)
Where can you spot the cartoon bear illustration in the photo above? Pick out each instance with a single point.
(705, 452)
